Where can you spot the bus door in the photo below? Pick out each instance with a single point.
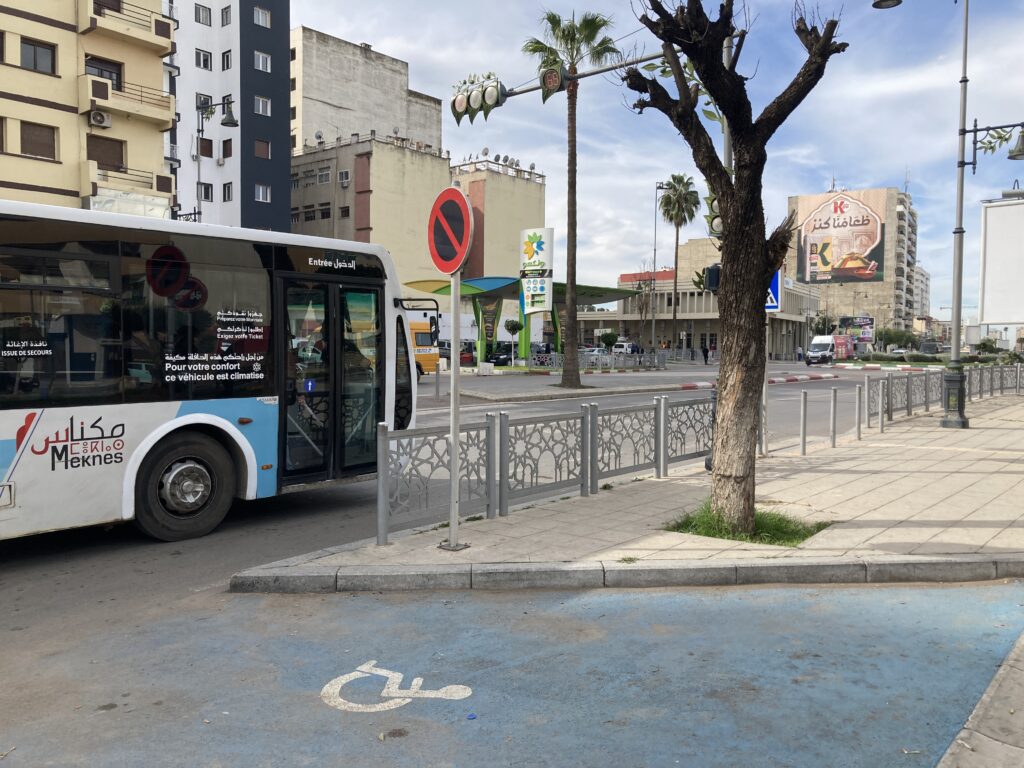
(332, 384)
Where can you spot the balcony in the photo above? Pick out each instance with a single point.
(140, 101)
(122, 179)
(127, 23)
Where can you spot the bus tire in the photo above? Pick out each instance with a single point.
(184, 488)
(419, 372)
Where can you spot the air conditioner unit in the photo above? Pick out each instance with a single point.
(100, 119)
(343, 178)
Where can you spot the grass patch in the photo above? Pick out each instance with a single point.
(473, 519)
(769, 527)
(607, 487)
(629, 559)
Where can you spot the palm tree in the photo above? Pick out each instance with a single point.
(567, 43)
(679, 205)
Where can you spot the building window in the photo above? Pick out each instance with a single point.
(203, 101)
(202, 15)
(262, 106)
(295, 215)
(204, 192)
(325, 210)
(295, 181)
(225, 60)
(206, 147)
(308, 213)
(293, 142)
(225, 148)
(204, 59)
(291, 113)
(263, 149)
(108, 70)
(38, 140)
(344, 212)
(227, 192)
(262, 193)
(343, 177)
(261, 61)
(323, 175)
(291, 54)
(225, 15)
(261, 17)
(291, 84)
(39, 57)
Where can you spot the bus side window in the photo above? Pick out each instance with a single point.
(403, 378)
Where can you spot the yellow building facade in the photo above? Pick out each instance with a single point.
(84, 104)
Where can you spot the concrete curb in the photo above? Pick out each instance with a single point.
(993, 736)
(311, 578)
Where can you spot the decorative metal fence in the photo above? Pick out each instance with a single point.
(895, 394)
(618, 361)
(505, 460)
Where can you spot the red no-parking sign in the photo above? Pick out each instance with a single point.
(450, 230)
(167, 270)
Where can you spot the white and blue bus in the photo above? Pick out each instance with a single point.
(156, 370)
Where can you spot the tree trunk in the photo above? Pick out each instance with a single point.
(570, 335)
(674, 340)
(746, 273)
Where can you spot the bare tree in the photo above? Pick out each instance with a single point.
(644, 287)
(749, 255)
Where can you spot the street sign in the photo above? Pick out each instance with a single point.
(192, 296)
(536, 260)
(773, 302)
(450, 230)
(167, 270)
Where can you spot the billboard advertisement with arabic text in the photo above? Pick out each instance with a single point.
(840, 237)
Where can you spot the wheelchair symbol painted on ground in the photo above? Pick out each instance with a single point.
(393, 694)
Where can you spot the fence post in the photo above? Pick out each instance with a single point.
(860, 394)
(595, 466)
(492, 465)
(1018, 379)
(663, 422)
(881, 400)
(888, 395)
(382, 483)
(1001, 370)
(927, 391)
(803, 422)
(867, 401)
(503, 464)
(832, 416)
(991, 382)
(910, 398)
(584, 450)
(658, 437)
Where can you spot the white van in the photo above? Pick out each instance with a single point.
(822, 350)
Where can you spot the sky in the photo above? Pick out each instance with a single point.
(885, 114)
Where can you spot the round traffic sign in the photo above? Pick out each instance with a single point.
(193, 295)
(167, 270)
(450, 230)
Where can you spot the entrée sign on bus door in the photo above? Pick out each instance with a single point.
(450, 230)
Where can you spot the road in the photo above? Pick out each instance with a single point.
(858, 676)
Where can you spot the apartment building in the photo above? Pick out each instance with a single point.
(231, 141)
(85, 104)
(922, 291)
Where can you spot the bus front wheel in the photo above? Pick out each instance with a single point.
(184, 487)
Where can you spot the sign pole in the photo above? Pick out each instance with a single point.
(454, 441)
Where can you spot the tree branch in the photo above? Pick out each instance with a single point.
(820, 47)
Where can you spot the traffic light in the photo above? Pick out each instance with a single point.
(552, 80)
(713, 217)
(433, 330)
(473, 98)
(712, 278)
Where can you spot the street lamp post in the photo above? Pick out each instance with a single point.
(953, 393)
(661, 185)
(203, 114)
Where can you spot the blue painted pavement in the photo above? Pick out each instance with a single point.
(817, 677)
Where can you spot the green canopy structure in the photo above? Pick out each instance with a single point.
(487, 294)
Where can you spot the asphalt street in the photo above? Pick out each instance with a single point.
(869, 676)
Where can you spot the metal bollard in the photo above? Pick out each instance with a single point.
(832, 416)
(764, 419)
(803, 422)
(888, 396)
(663, 420)
(584, 450)
(382, 483)
(867, 403)
(595, 466)
(860, 394)
(493, 431)
(503, 464)
(910, 396)
(881, 399)
(659, 438)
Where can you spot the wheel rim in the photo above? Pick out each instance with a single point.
(185, 487)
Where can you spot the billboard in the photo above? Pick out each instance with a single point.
(536, 269)
(840, 237)
(861, 328)
(1002, 263)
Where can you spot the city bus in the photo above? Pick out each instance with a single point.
(155, 370)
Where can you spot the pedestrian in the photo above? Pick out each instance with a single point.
(704, 351)
(799, 353)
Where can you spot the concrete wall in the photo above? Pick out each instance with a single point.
(343, 88)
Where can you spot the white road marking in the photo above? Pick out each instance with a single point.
(394, 696)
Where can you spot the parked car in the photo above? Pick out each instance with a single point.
(444, 349)
(468, 355)
(501, 354)
(899, 351)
